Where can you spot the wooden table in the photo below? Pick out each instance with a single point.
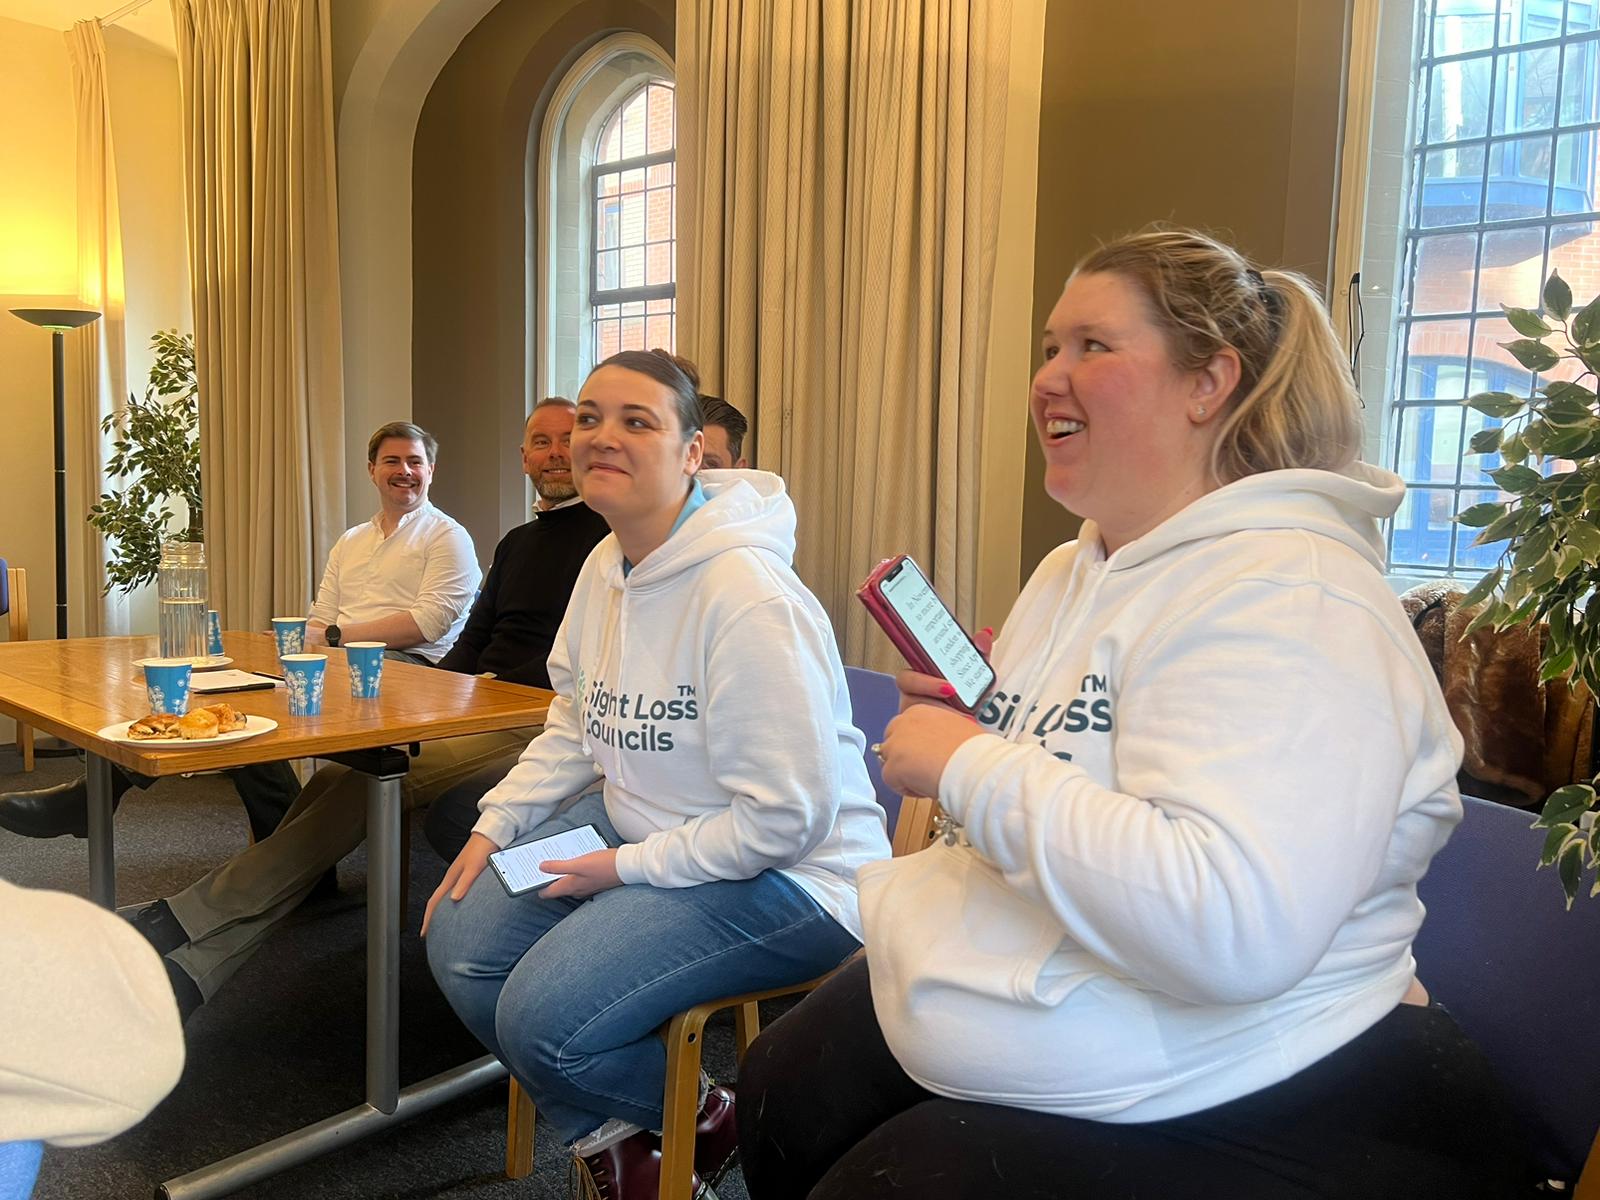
(75, 688)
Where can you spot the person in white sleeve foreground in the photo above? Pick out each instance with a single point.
(696, 674)
(90, 1040)
(1165, 949)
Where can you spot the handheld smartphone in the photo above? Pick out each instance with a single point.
(518, 866)
(903, 602)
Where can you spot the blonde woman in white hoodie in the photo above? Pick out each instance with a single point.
(699, 679)
(1165, 947)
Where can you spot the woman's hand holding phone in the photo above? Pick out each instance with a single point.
(918, 743)
(919, 688)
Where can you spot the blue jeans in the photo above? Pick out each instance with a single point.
(569, 993)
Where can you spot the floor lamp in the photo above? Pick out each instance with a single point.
(58, 321)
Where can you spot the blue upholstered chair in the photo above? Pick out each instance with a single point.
(19, 1167)
(1522, 976)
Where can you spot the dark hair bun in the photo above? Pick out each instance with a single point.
(691, 372)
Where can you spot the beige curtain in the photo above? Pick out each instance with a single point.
(97, 383)
(256, 83)
(839, 177)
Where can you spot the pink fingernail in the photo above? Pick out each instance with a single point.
(989, 629)
(946, 691)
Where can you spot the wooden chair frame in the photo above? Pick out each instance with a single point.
(685, 1036)
(17, 630)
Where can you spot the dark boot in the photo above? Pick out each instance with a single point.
(716, 1136)
(56, 811)
(625, 1170)
(160, 927)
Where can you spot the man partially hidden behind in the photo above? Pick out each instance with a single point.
(725, 427)
(209, 930)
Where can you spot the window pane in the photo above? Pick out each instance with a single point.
(1493, 368)
(659, 136)
(633, 126)
(1519, 178)
(633, 308)
(633, 181)
(1574, 190)
(658, 306)
(1429, 343)
(1462, 25)
(1443, 277)
(633, 333)
(1513, 262)
(658, 263)
(1422, 528)
(1529, 21)
(1458, 101)
(1581, 16)
(659, 175)
(632, 266)
(606, 340)
(658, 223)
(1573, 247)
(605, 229)
(1452, 186)
(1477, 558)
(1525, 90)
(1475, 466)
(605, 311)
(611, 140)
(606, 271)
(632, 223)
(1430, 440)
(1580, 98)
(658, 331)
(608, 184)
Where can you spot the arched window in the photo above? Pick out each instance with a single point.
(602, 216)
(633, 272)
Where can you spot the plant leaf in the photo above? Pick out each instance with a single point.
(1566, 805)
(1556, 667)
(1498, 404)
(1479, 515)
(1516, 479)
(1527, 322)
(1557, 296)
(1586, 537)
(1570, 868)
(1553, 842)
(1586, 325)
(1534, 355)
(1481, 589)
(1486, 441)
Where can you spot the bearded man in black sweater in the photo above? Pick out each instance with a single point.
(207, 931)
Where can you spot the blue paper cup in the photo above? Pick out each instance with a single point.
(213, 631)
(366, 667)
(291, 634)
(306, 675)
(167, 682)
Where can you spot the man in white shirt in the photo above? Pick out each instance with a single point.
(407, 577)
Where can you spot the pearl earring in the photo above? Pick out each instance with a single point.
(1200, 410)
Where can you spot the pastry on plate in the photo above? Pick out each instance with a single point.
(201, 723)
(154, 727)
(229, 718)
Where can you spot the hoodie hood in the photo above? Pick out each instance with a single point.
(1347, 506)
(743, 509)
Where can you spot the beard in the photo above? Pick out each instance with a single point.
(555, 492)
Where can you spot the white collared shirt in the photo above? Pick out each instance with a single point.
(426, 567)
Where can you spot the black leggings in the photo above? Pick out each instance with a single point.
(1408, 1109)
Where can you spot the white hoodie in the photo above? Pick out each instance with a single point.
(705, 686)
(1217, 764)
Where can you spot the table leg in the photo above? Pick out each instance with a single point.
(383, 941)
(102, 837)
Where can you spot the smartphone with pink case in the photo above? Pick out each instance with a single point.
(924, 630)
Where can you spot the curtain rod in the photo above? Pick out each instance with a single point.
(126, 10)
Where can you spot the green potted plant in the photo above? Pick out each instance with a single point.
(156, 459)
(1550, 564)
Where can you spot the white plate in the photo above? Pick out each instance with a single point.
(256, 725)
(209, 663)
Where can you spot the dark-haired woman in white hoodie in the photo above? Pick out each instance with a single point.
(1167, 952)
(699, 677)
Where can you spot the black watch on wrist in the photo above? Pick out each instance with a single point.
(332, 635)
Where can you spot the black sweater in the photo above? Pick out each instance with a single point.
(513, 623)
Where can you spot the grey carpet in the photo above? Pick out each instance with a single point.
(281, 1046)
